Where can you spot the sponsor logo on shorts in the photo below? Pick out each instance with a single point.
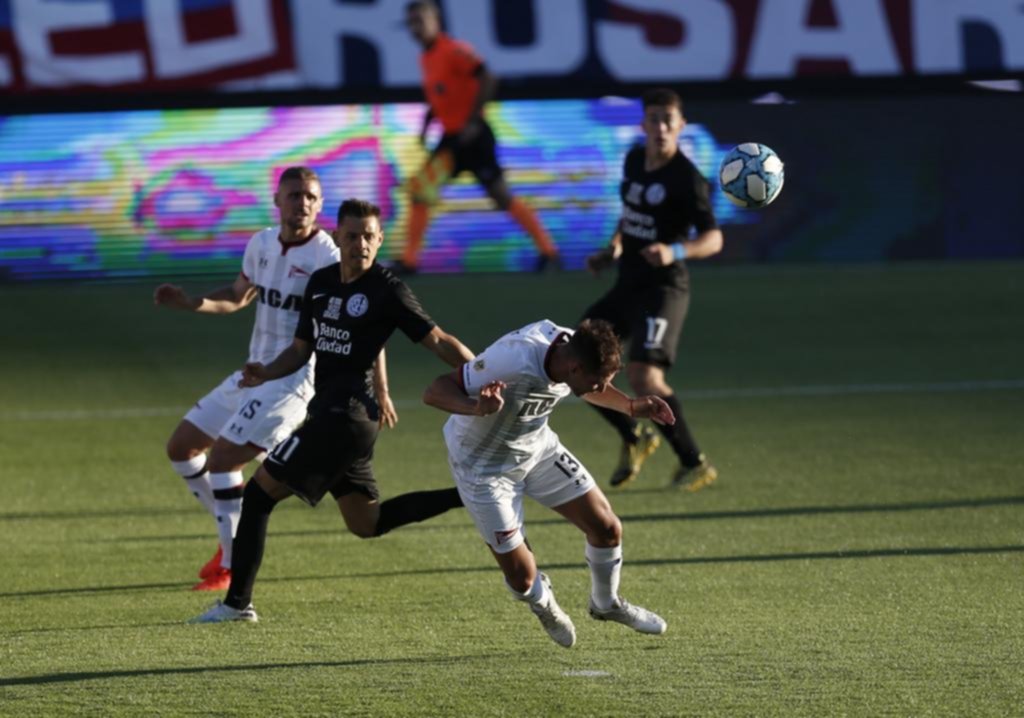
(501, 537)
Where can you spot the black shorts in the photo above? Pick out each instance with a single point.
(330, 452)
(479, 156)
(650, 318)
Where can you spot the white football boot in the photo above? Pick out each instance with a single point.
(639, 619)
(220, 612)
(555, 621)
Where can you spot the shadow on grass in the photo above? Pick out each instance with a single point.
(487, 567)
(639, 518)
(79, 676)
(108, 513)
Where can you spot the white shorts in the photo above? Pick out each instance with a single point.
(263, 415)
(496, 501)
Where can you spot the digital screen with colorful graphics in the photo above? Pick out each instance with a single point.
(179, 192)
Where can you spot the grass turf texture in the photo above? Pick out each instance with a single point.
(861, 554)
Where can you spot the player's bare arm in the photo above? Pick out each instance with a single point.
(643, 407)
(287, 362)
(447, 347)
(224, 300)
(486, 91)
(446, 393)
(704, 245)
(388, 415)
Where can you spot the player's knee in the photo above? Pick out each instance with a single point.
(178, 450)
(607, 533)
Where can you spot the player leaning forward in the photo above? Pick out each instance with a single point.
(500, 449)
(348, 312)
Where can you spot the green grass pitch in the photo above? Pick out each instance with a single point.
(861, 554)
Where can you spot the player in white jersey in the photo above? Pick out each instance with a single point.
(500, 449)
(234, 424)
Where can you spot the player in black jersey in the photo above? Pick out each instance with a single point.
(666, 219)
(348, 312)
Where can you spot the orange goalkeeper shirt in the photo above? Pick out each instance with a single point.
(450, 81)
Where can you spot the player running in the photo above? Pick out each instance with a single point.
(348, 312)
(663, 198)
(500, 449)
(457, 85)
(236, 424)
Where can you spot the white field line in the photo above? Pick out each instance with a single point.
(766, 392)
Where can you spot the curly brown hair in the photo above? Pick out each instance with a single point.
(594, 343)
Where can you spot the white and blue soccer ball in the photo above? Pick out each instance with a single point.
(751, 175)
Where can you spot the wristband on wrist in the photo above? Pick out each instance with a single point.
(678, 251)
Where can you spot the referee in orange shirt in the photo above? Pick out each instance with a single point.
(457, 85)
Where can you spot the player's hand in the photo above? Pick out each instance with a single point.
(652, 407)
(658, 255)
(600, 261)
(388, 415)
(490, 400)
(253, 374)
(469, 132)
(171, 295)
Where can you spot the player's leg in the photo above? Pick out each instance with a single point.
(367, 516)
(424, 191)
(192, 438)
(496, 505)
(266, 415)
(186, 450)
(481, 158)
(638, 441)
(593, 515)
(261, 496)
(656, 341)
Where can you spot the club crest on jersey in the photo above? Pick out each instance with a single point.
(478, 365)
(357, 305)
(294, 271)
(655, 194)
(333, 310)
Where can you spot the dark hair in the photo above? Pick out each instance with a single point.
(422, 5)
(358, 208)
(594, 343)
(663, 97)
(298, 173)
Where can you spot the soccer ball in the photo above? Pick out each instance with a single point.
(751, 175)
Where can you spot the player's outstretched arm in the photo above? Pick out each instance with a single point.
(224, 300)
(388, 415)
(644, 407)
(447, 347)
(446, 393)
(287, 362)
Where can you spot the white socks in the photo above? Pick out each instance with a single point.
(537, 594)
(196, 479)
(227, 493)
(605, 570)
